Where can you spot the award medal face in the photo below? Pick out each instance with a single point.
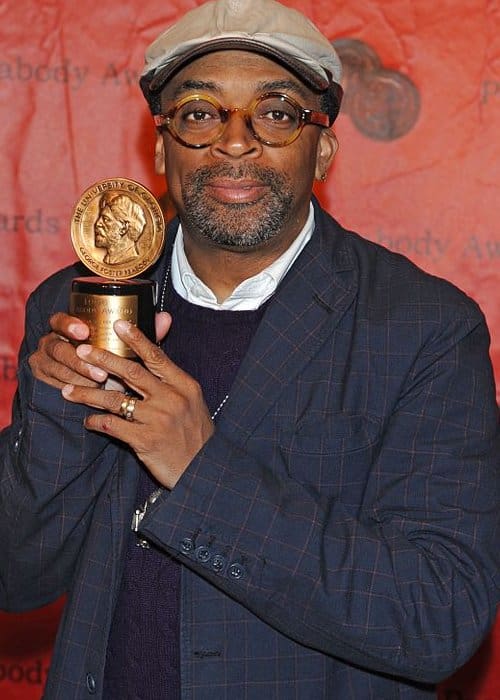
(118, 229)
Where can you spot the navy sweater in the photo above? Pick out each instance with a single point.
(143, 660)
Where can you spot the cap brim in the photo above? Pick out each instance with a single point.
(305, 73)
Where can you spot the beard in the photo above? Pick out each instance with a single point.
(237, 225)
(100, 240)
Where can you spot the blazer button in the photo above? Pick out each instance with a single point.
(91, 684)
(218, 562)
(187, 545)
(18, 440)
(203, 554)
(236, 571)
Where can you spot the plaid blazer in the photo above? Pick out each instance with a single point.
(339, 531)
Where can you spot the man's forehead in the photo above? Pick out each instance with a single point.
(219, 71)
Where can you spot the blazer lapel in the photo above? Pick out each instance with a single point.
(307, 307)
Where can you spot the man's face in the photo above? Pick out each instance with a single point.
(107, 228)
(239, 193)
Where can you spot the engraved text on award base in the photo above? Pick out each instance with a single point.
(99, 312)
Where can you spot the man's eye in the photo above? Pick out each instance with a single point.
(277, 115)
(198, 115)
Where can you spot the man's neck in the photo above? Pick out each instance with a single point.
(223, 270)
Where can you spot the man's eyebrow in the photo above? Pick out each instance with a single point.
(284, 85)
(197, 85)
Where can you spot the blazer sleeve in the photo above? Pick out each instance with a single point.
(51, 473)
(406, 584)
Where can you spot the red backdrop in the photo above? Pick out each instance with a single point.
(417, 171)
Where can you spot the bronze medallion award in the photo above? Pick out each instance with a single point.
(118, 232)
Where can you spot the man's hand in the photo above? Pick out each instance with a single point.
(171, 421)
(56, 362)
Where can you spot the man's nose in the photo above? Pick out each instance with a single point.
(237, 139)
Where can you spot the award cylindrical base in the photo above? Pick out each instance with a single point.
(99, 302)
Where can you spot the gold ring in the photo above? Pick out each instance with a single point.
(127, 408)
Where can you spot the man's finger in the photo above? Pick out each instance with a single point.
(56, 363)
(66, 360)
(69, 326)
(163, 321)
(111, 401)
(132, 373)
(153, 357)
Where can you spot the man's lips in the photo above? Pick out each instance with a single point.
(236, 191)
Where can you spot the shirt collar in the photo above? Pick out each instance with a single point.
(250, 293)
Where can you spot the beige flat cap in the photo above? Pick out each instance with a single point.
(262, 26)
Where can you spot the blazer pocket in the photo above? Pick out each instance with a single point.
(332, 433)
(332, 452)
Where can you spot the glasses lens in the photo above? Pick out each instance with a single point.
(275, 119)
(197, 122)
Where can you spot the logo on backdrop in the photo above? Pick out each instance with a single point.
(8, 368)
(32, 673)
(383, 104)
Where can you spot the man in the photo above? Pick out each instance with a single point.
(118, 227)
(310, 459)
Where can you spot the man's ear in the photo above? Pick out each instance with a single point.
(159, 155)
(325, 153)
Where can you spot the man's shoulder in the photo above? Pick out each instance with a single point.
(383, 274)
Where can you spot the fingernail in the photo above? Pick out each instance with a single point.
(67, 390)
(83, 351)
(98, 374)
(78, 331)
(122, 326)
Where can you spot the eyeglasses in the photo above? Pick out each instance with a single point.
(198, 121)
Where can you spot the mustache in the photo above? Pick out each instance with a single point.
(251, 171)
